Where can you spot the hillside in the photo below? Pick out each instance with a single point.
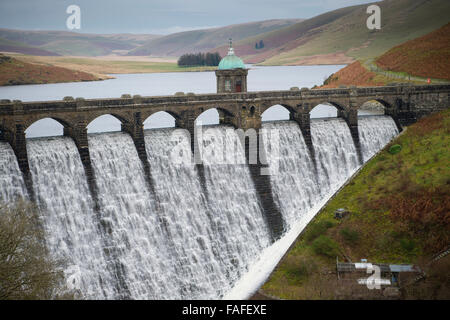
(18, 47)
(341, 36)
(207, 39)
(399, 207)
(14, 72)
(112, 64)
(427, 57)
(70, 43)
(353, 74)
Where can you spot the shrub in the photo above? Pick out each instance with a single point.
(323, 245)
(26, 269)
(350, 236)
(316, 229)
(407, 245)
(396, 148)
(299, 268)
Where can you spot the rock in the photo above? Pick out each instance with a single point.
(341, 213)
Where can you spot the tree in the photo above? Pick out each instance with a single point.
(199, 59)
(261, 44)
(256, 45)
(27, 270)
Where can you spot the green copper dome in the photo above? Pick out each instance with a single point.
(231, 61)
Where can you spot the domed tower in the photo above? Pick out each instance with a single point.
(231, 74)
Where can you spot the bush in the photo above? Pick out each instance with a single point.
(396, 148)
(26, 269)
(299, 268)
(350, 236)
(407, 245)
(323, 245)
(316, 229)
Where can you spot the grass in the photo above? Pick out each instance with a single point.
(400, 213)
(111, 66)
(16, 72)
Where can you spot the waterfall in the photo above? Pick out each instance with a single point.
(235, 212)
(213, 237)
(192, 232)
(133, 235)
(375, 132)
(67, 214)
(335, 153)
(294, 184)
(11, 180)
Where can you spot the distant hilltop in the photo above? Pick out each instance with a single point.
(417, 60)
(337, 37)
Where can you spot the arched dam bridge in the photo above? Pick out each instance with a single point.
(404, 103)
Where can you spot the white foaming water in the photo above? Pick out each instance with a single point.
(181, 243)
(11, 180)
(294, 184)
(206, 232)
(335, 153)
(67, 214)
(134, 237)
(374, 133)
(235, 213)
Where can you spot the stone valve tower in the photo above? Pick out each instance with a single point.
(231, 74)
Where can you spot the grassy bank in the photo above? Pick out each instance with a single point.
(400, 213)
(112, 65)
(16, 72)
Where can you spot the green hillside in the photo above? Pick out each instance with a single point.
(400, 213)
(204, 40)
(343, 33)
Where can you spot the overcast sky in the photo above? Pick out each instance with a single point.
(156, 16)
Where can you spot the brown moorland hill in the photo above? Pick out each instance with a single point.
(15, 72)
(427, 56)
(353, 74)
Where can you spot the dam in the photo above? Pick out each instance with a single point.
(131, 223)
(177, 240)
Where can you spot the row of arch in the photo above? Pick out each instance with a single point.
(162, 119)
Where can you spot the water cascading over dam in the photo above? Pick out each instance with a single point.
(176, 237)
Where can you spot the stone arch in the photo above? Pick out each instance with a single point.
(265, 106)
(373, 106)
(30, 121)
(106, 122)
(50, 130)
(271, 113)
(148, 114)
(166, 119)
(389, 109)
(326, 109)
(224, 116)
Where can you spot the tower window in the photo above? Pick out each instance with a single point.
(238, 86)
(227, 85)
